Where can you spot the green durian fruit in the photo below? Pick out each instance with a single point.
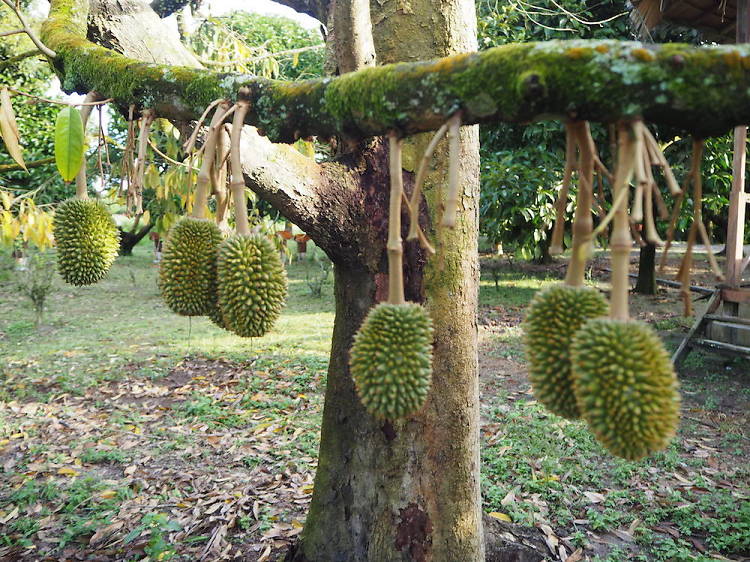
(391, 360)
(626, 386)
(252, 284)
(555, 315)
(187, 276)
(87, 241)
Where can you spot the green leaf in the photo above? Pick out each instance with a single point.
(69, 142)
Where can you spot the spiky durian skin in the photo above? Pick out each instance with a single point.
(252, 285)
(626, 386)
(555, 315)
(87, 241)
(187, 276)
(391, 360)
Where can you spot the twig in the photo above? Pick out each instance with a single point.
(251, 60)
(34, 164)
(58, 102)
(28, 31)
(167, 158)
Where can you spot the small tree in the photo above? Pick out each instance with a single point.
(36, 281)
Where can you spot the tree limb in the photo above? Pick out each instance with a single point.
(314, 8)
(18, 58)
(319, 198)
(515, 83)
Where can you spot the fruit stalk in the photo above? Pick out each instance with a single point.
(237, 184)
(81, 191)
(209, 152)
(395, 245)
(582, 223)
(621, 241)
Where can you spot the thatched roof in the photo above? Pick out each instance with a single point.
(716, 18)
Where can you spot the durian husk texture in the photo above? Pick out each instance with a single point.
(187, 276)
(391, 360)
(87, 241)
(555, 315)
(626, 386)
(252, 285)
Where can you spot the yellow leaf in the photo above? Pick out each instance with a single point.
(107, 494)
(6, 199)
(296, 524)
(501, 516)
(67, 471)
(9, 129)
(307, 489)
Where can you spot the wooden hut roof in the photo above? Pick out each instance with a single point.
(716, 18)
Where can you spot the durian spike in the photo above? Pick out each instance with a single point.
(237, 182)
(414, 229)
(656, 150)
(395, 245)
(582, 222)
(209, 151)
(454, 156)
(81, 188)
(558, 231)
(147, 117)
(621, 242)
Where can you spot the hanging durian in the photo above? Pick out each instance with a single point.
(624, 382)
(86, 236)
(391, 358)
(87, 241)
(556, 313)
(187, 276)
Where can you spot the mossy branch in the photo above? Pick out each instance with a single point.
(705, 90)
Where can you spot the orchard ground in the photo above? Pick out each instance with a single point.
(126, 431)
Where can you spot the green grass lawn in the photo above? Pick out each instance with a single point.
(127, 431)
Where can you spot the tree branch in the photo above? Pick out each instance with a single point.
(18, 58)
(515, 83)
(28, 31)
(315, 8)
(34, 164)
(319, 198)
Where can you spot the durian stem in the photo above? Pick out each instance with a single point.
(395, 245)
(558, 231)
(648, 195)
(81, 188)
(190, 143)
(454, 180)
(209, 153)
(582, 222)
(414, 229)
(621, 242)
(219, 179)
(237, 183)
(674, 188)
(147, 117)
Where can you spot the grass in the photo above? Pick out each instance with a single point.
(118, 412)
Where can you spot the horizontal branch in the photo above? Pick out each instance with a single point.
(34, 164)
(703, 90)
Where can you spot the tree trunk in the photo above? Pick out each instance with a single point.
(409, 490)
(646, 284)
(129, 240)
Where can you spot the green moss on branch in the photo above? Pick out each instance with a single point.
(703, 90)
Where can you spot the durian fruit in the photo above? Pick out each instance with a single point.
(555, 315)
(391, 360)
(87, 241)
(252, 284)
(626, 386)
(187, 276)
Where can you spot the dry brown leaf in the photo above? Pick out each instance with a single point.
(9, 129)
